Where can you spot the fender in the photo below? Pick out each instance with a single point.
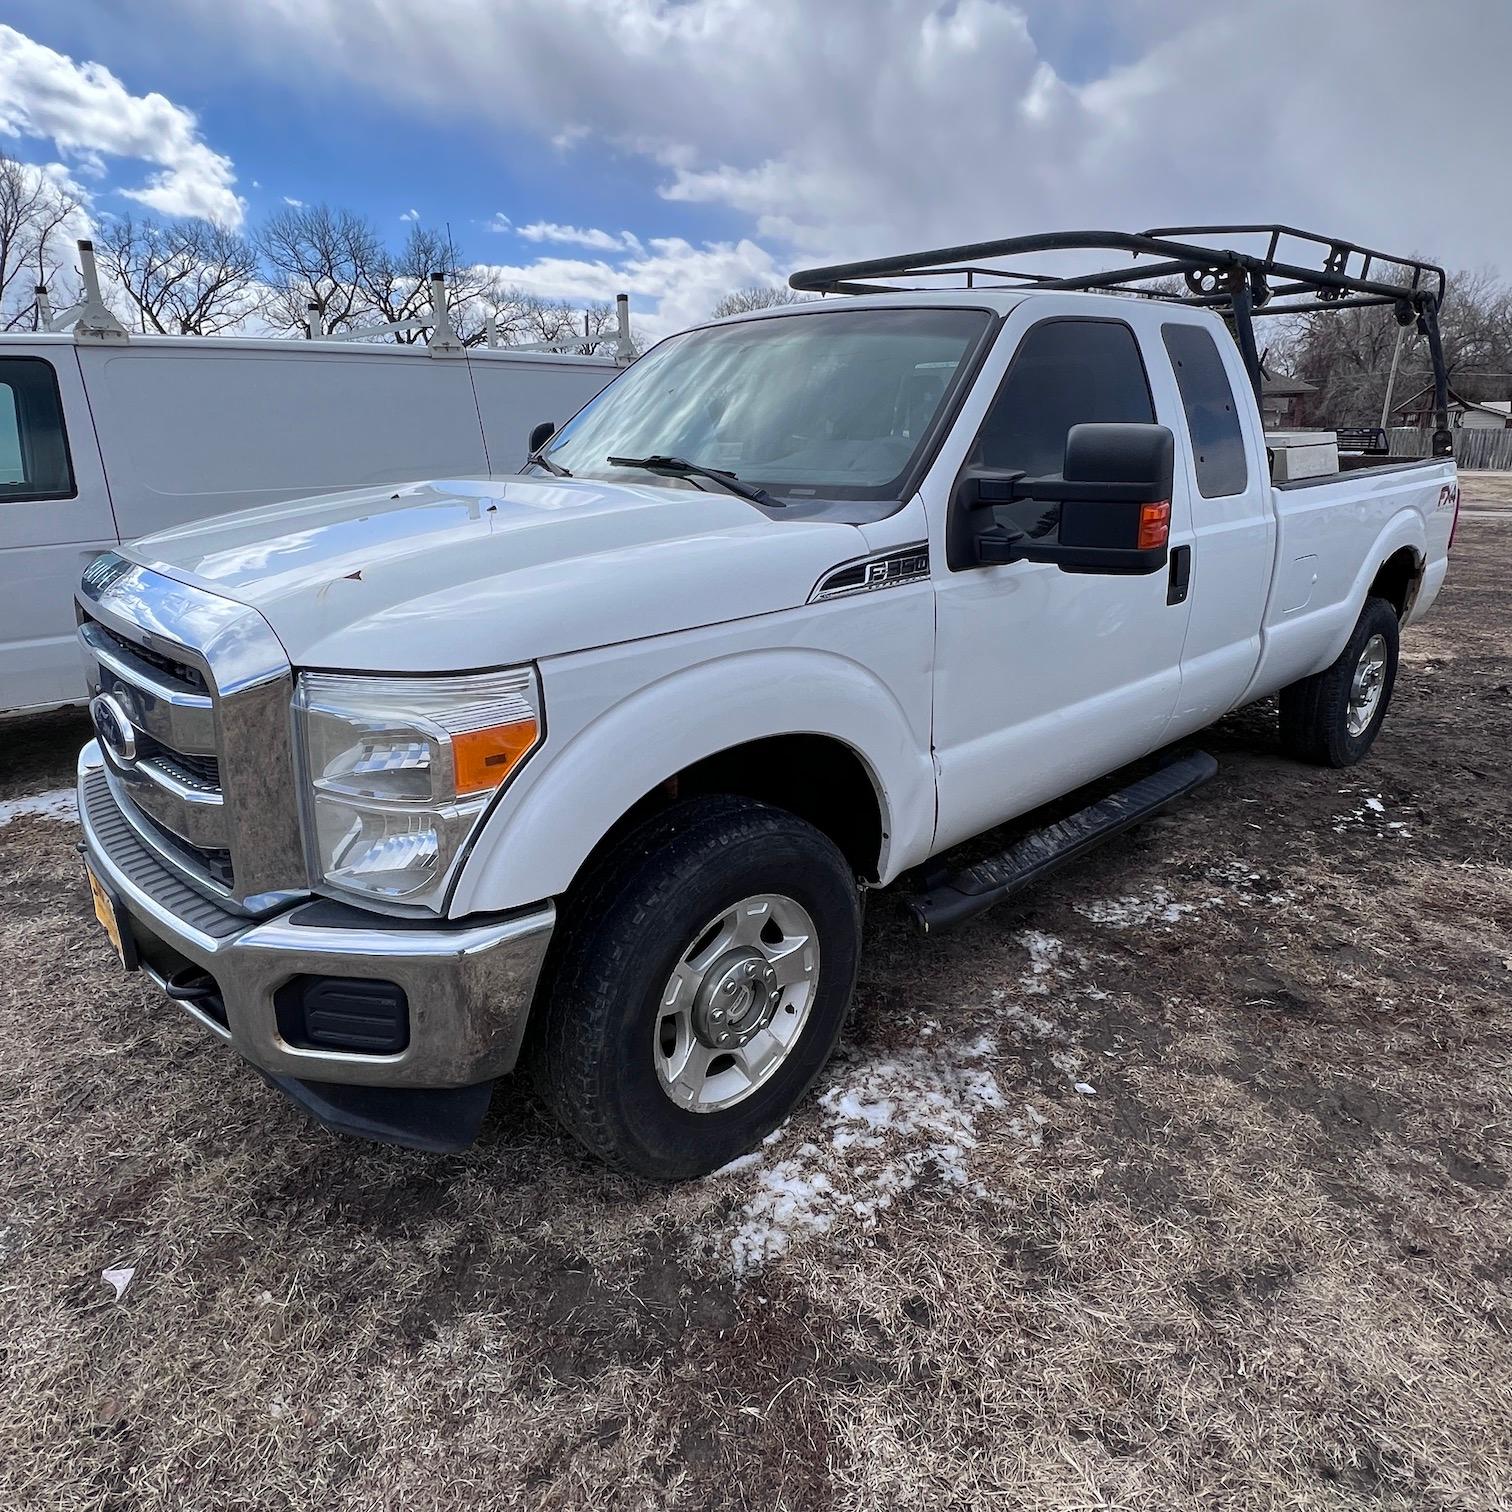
(1299, 646)
(533, 843)
(1404, 529)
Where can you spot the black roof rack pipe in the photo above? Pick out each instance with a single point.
(1276, 232)
(1187, 257)
(816, 280)
(1443, 437)
(1244, 336)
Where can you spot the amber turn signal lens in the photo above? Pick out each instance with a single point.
(484, 758)
(1154, 525)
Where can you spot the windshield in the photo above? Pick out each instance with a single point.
(834, 405)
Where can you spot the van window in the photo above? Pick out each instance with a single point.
(33, 448)
(1065, 373)
(1211, 414)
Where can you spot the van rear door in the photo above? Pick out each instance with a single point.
(55, 514)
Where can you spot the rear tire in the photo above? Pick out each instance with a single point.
(1333, 717)
(718, 908)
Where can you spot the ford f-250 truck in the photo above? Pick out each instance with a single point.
(590, 767)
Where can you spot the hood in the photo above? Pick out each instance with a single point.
(475, 573)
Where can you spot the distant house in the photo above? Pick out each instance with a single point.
(1467, 414)
(1278, 399)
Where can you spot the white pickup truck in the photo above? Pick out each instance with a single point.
(592, 766)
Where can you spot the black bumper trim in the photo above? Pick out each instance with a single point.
(442, 1120)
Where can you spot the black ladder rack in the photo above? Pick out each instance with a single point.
(1323, 273)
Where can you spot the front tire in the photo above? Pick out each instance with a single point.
(1333, 717)
(702, 980)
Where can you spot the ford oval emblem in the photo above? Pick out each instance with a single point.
(114, 727)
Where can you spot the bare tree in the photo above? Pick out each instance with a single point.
(757, 297)
(183, 278)
(396, 287)
(523, 317)
(34, 212)
(315, 254)
(1347, 353)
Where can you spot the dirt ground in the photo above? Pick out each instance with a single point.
(1181, 1184)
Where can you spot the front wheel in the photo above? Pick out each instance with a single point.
(702, 980)
(1333, 717)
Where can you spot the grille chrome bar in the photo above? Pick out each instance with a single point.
(196, 816)
(181, 720)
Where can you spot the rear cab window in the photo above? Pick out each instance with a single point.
(1212, 417)
(34, 460)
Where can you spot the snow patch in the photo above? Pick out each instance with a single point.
(1368, 815)
(888, 1124)
(1134, 912)
(60, 803)
(1243, 884)
(1048, 956)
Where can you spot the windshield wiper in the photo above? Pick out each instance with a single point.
(680, 467)
(542, 460)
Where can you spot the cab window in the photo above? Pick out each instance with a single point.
(1065, 373)
(34, 462)
(1212, 417)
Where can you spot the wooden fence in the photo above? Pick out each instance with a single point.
(1475, 447)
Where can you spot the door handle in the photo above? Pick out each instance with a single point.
(1181, 575)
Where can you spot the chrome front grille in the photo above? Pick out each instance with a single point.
(177, 790)
(192, 714)
(180, 673)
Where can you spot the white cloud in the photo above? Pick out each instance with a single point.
(291, 202)
(671, 282)
(581, 236)
(861, 127)
(409, 215)
(87, 112)
(498, 222)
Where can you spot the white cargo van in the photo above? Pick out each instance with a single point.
(105, 440)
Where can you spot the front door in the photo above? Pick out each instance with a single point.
(55, 516)
(1044, 679)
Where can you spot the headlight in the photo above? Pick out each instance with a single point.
(398, 771)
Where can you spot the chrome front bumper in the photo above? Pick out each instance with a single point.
(469, 986)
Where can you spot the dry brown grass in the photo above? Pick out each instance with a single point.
(1267, 1265)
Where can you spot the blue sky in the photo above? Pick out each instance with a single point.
(736, 139)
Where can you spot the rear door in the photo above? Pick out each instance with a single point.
(55, 515)
(1233, 524)
(1046, 679)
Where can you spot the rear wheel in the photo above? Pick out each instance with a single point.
(702, 981)
(1333, 717)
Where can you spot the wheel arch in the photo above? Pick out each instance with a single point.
(1398, 579)
(833, 745)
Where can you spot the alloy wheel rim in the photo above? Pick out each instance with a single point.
(1367, 685)
(736, 1003)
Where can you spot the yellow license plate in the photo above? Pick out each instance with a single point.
(105, 912)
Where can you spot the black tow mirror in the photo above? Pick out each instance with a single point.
(1114, 490)
(541, 434)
